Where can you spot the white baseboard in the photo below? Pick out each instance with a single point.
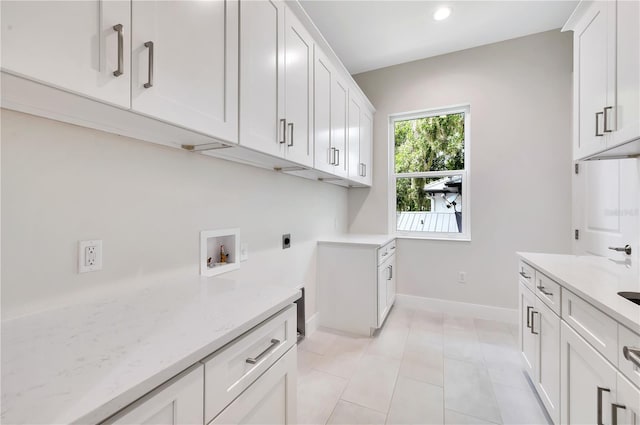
(312, 324)
(478, 311)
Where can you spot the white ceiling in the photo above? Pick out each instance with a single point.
(371, 34)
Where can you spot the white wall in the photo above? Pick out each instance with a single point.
(62, 183)
(520, 96)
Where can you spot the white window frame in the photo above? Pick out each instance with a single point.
(466, 195)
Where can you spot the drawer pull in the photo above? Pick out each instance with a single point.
(523, 274)
(632, 354)
(533, 323)
(544, 291)
(274, 344)
(600, 391)
(614, 412)
(529, 308)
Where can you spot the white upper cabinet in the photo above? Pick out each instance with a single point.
(262, 121)
(360, 142)
(276, 74)
(187, 74)
(331, 97)
(606, 78)
(78, 46)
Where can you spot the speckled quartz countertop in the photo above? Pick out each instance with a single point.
(84, 362)
(595, 279)
(359, 239)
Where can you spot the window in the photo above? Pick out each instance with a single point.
(430, 173)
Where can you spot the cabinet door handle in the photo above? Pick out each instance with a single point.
(544, 291)
(606, 127)
(149, 83)
(614, 412)
(390, 272)
(529, 308)
(290, 125)
(120, 30)
(600, 391)
(632, 354)
(254, 360)
(597, 124)
(523, 274)
(337, 160)
(283, 131)
(330, 153)
(533, 322)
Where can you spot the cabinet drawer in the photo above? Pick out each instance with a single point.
(386, 251)
(627, 338)
(231, 370)
(548, 291)
(527, 274)
(600, 330)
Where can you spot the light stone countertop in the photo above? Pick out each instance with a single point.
(359, 239)
(84, 362)
(595, 279)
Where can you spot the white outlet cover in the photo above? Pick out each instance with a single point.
(84, 265)
(244, 251)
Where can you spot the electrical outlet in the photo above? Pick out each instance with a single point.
(286, 241)
(462, 277)
(89, 256)
(244, 251)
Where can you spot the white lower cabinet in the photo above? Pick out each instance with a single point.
(176, 402)
(588, 381)
(270, 400)
(527, 339)
(386, 288)
(627, 408)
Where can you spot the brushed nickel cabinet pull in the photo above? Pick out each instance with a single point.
(600, 391)
(632, 354)
(606, 121)
(120, 30)
(533, 322)
(523, 274)
(254, 360)
(544, 291)
(529, 308)
(290, 125)
(597, 124)
(614, 412)
(337, 160)
(149, 83)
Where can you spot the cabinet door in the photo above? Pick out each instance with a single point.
(628, 412)
(325, 155)
(625, 115)
(355, 166)
(298, 90)
(527, 340)
(187, 74)
(339, 123)
(366, 147)
(590, 87)
(71, 45)
(391, 282)
(262, 121)
(384, 275)
(271, 399)
(179, 401)
(587, 380)
(547, 324)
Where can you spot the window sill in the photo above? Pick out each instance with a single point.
(433, 238)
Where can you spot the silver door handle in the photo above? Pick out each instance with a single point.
(330, 153)
(597, 123)
(614, 412)
(606, 127)
(632, 354)
(529, 308)
(547, 293)
(337, 159)
(254, 360)
(600, 391)
(290, 125)
(149, 83)
(120, 30)
(523, 274)
(283, 131)
(533, 322)
(626, 249)
(390, 272)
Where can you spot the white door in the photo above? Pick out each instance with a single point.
(179, 403)
(72, 45)
(591, 54)
(269, 400)
(339, 123)
(527, 339)
(626, 89)
(355, 165)
(606, 202)
(628, 403)
(325, 154)
(587, 380)
(547, 373)
(185, 64)
(366, 147)
(298, 90)
(262, 120)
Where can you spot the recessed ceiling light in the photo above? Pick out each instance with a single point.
(442, 14)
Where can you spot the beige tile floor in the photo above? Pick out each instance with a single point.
(421, 368)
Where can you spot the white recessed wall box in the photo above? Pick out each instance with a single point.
(219, 251)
